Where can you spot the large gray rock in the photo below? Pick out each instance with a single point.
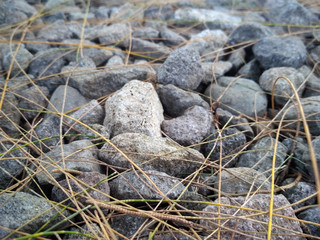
(182, 68)
(282, 89)
(280, 52)
(10, 115)
(260, 156)
(242, 96)
(26, 211)
(55, 32)
(134, 185)
(176, 100)
(79, 155)
(149, 50)
(190, 128)
(246, 228)
(151, 153)
(134, 108)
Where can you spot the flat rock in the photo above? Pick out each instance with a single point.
(254, 226)
(134, 108)
(182, 68)
(151, 153)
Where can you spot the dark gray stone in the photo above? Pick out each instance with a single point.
(182, 68)
(10, 115)
(37, 47)
(92, 230)
(163, 12)
(102, 12)
(282, 89)
(246, 228)
(300, 146)
(151, 153)
(313, 82)
(214, 70)
(306, 159)
(175, 100)
(146, 33)
(237, 58)
(116, 34)
(20, 208)
(243, 96)
(312, 215)
(12, 12)
(280, 52)
(149, 50)
(171, 38)
(127, 225)
(18, 85)
(127, 11)
(261, 154)
(250, 70)
(134, 185)
(190, 128)
(230, 143)
(55, 32)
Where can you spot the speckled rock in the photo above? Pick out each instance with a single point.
(127, 225)
(134, 108)
(190, 128)
(255, 226)
(151, 153)
(182, 68)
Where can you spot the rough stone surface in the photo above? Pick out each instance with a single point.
(312, 215)
(190, 128)
(10, 115)
(313, 82)
(15, 11)
(280, 52)
(55, 32)
(17, 85)
(134, 185)
(214, 70)
(79, 155)
(182, 68)
(237, 58)
(176, 100)
(115, 34)
(134, 108)
(243, 96)
(282, 89)
(127, 225)
(92, 230)
(306, 159)
(19, 208)
(151, 153)
(171, 38)
(146, 33)
(258, 229)
(231, 142)
(251, 70)
(261, 154)
(149, 50)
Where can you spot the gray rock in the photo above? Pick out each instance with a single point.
(96, 84)
(171, 38)
(280, 52)
(242, 96)
(163, 12)
(248, 32)
(134, 185)
(92, 230)
(175, 100)
(127, 11)
(58, 4)
(298, 192)
(300, 146)
(79, 155)
(15, 12)
(230, 143)
(37, 47)
(214, 70)
(84, 185)
(55, 32)
(17, 85)
(146, 33)
(237, 58)
(13, 165)
(170, 236)
(116, 34)
(151, 153)
(260, 156)
(282, 89)
(242, 180)
(102, 12)
(115, 60)
(313, 82)
(10, 115)
(182, 68)
(256, 225)
(35, 99)
(149, 50)
(312, 215)
(190, 128)
(306, 159)
(28, 212)
(315, 55)
(134, 108)
(126, 224)
(251, 70)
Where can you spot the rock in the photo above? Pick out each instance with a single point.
(248, 32)
(300, 145)
(79, 155)
(242, 180)
(242, 96)
(170, 236)
(80, 187)
(171, 38)
(55, 32)
(146, 33)
(231, 140)
(17, 85)
(115, 60)
(10, 115)
(127, 225)
(256, 225)
(280, 52)
(182, 68)
(166, 156)
(26, 212)
(134, 108)
(175, 100)
(313, 82)
(214, 70)
(163, 12)
(261, 154)
(312, 215)
(190, 128)
(96, 84)
(237, 58)
(15, 12)
(34, 99)
(251, 70)
(306, 159)
(134, 185)
(149, 50)
(298, 192)
(102, 12)
(282, 90)
(115, 34)
(92, 230)
(127, 11)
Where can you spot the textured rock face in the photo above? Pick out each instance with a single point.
(9, 115)
(134, 108)
(151, 153)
